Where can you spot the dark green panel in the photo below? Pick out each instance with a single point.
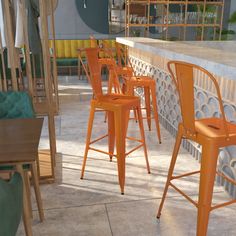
(94, 13)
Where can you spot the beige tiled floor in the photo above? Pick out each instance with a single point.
(94, 206)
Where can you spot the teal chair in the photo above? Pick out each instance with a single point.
(11, 205)
(15, 105)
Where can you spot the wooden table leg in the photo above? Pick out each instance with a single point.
(26, 209)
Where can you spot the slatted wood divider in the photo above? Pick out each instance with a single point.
(44, 90)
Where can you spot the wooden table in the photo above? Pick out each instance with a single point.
(19, 140)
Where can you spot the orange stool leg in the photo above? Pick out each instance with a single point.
(147, 106)
(27, 184)
(129, 90)
(207, 178)
(140, 122)
(120, 147)
(127, 115)
(171, 169)
(105, 117)
(111, 133)
(109, 90)
(135, 115)
(110, 83)
(79, 69)
(89, 133)
(155, 112)
(124, 88)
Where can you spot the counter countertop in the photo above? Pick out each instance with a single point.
(218, 57)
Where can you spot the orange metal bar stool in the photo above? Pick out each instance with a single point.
(149, 86)
(211, 133)
(118, 107)
(132, 81)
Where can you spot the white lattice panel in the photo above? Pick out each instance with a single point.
(206, 105)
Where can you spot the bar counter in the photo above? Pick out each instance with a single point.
(150, 56)
(219, 57)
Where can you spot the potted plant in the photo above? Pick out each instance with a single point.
(232, 20)
(136, 33)
(229, 34)
(209, 18)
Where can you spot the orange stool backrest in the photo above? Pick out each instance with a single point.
(94, 71)
(120, 55)
(182, 74)
(123, 59)
(95, 64)
(93, 42)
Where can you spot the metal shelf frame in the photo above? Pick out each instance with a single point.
(199, 26)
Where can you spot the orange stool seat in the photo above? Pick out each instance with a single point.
(214, 128)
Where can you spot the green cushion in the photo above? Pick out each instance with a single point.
(6, 168)
(15, 105)
(11, 205)
(67, 62)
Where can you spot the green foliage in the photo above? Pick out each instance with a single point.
(136, 33)
(225, 31)
(173, 39)
(226, 34)
(232, 18)
(209, 8)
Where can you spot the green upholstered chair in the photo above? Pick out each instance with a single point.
(11, 205)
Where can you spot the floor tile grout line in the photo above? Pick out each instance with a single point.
(117, 202)
(108, 219)
(96, 204)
